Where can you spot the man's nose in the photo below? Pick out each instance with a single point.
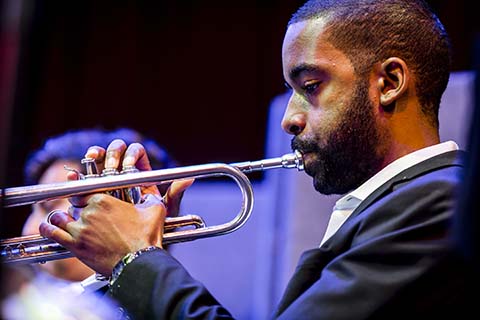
(294, 120)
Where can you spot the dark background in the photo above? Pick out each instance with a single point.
(197, 76)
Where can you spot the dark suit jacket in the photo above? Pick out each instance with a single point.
(384, 262)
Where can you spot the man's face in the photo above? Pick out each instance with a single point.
(330, 111)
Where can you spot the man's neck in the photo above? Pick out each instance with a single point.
(408, 144)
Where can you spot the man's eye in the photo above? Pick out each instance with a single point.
(310, 87)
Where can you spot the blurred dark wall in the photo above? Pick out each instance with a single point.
(196, 77)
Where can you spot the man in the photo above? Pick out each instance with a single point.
(367, 78)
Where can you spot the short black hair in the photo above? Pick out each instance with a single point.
(370, 31)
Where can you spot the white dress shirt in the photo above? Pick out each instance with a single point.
(348, 203)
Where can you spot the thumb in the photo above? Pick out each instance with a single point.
(174, 195)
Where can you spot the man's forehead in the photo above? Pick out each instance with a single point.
(305, 30)
(303, 36)
(305, 44)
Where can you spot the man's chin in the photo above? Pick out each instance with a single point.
(323, 186)
(320, 185)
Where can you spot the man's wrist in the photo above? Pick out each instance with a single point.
(128, 258)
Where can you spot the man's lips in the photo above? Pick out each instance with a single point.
(308, 158)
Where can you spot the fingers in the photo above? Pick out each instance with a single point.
(133, 155)
(136, 155)
(95, 152)
(72, 176)
(60, 219)
(174, 195)
(116, 157)
(114, 154)
(56, 229)
(177, 188)
(111, 157)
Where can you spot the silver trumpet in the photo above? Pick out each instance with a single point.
(37, 249)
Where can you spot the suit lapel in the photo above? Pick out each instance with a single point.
(308, 270)
(448, 159)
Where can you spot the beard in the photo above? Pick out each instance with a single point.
(348, 155)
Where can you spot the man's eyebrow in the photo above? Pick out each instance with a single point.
(298, 70)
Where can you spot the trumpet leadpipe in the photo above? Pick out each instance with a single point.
(287, 161)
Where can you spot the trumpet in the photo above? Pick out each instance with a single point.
(38, 249)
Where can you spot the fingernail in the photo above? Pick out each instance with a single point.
(111, 163)
(45, 229)
(128, 161)
(91, 153)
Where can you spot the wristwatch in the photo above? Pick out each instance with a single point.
(128, 258)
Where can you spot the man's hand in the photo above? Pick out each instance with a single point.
(100, 229)
(107, 229)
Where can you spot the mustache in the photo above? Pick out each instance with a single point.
(304, 146)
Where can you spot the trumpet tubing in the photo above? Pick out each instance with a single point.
(33, 249)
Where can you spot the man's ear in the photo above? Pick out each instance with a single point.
(393, 80)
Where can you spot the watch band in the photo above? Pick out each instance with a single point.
(128, 258)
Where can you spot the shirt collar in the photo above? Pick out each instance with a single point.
(353, 199)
